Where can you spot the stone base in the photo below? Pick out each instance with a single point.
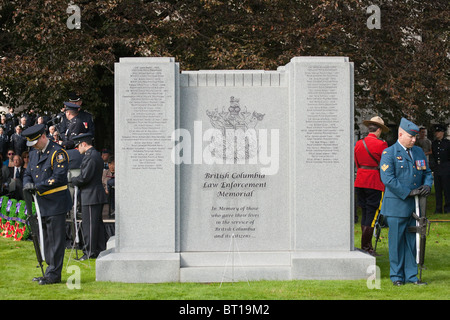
(237, 266)
(230, 267)
(333, 265)
(138, 267)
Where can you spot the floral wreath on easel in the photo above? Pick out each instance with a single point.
(13, 219)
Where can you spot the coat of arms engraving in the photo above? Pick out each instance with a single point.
(235, 138)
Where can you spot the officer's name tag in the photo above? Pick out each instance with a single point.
(421, 165)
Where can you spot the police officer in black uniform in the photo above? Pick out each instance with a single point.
(93, 197)
(46, 174)
(77, 123)
(441, 155)
(76, 99)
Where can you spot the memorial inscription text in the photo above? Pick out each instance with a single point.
(145, 141)
(322, 130)
(234, 212)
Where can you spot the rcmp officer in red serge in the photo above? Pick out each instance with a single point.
(93, 197)
(46, 174)
(368, 186)
(405, 174)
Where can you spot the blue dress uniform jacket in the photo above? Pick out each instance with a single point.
(401, 174)
(48, 172)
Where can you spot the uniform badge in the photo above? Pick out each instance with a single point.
(400, 158)
(384, 152)
(60, 157)
(85, 124)
(384, 167)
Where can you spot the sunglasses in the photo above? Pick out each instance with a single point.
(10, 154)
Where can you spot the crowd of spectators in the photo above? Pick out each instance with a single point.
(14, 151)
(13, 146)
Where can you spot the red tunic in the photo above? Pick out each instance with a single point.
(369, 178)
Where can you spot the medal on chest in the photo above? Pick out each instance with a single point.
(421, 165)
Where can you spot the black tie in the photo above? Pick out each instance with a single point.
(409, 152)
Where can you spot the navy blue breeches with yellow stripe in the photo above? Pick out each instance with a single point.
(370, 202)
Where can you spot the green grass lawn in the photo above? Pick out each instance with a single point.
(18, 261)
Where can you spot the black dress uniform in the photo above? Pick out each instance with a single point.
(93, 197)
(81, 123)
(18, 143)
(441, 156)
(47, 174)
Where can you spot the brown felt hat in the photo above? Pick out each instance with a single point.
(378, 122)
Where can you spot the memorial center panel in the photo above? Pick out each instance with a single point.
(240, 189)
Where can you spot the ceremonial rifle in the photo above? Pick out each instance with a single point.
(73, 221)
(35, 228)
(380, 223)
(39, 219)
(422, 229)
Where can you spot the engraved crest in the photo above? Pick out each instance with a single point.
(235, 137)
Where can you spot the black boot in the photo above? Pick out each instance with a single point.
(366, 240)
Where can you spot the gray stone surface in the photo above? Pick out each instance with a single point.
(145, 182)
(322, 152)
(197, 206)
(138, 267)
(214, 204)
(331, 265)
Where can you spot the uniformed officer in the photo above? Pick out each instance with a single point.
(368, 186)
(405, 174)
(77, 99)
(93, 197)
(46, 174)
(441, 155)
(77, 123)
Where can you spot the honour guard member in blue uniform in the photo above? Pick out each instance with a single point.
(405, 173)
(46, 174)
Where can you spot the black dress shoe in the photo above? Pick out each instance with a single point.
(398, 283)
(84, 257)
(37, 278)
(45, 281)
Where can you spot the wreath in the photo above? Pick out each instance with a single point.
(13, 219)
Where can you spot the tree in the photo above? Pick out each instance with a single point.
(402, 68)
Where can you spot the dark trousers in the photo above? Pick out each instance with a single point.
(370, 202)
(94, 233)
(54, 233)
(442, 186)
